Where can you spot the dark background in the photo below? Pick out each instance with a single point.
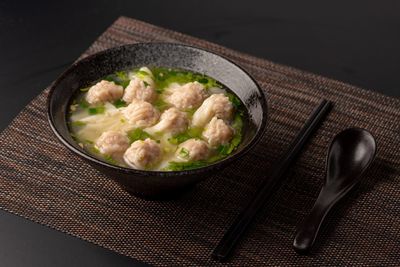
(353, 41)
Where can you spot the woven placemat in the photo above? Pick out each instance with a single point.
(43, 181)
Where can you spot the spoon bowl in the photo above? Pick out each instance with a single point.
(350, 154)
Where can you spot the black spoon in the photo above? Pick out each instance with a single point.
(349, 155)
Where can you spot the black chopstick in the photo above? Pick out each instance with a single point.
(232, 236)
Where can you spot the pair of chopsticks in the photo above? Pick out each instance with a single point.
(239, 226)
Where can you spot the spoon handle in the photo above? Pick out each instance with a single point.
(308, 231)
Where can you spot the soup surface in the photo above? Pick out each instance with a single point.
(157, 119)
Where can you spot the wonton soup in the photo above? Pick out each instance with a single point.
(157, 119)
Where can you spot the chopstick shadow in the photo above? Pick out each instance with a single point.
(378, 172)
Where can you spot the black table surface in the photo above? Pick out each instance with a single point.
(357, 42)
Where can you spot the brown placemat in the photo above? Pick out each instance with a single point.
(43, 181)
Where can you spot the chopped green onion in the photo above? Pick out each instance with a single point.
(184, 153)
(195, 132)
(94, 149)
(125, 83)
(190, 112)
(179, 138)
(97, 110)
(122, 75)
(181, 166)
(223, 149)
(203, 80)
(160, 104)
(182, 137)
(77, 123)
(83, 103)
(119, 103)
(163, 77)
(119, 78)
(142, 72)
(110, 160)
(137, 134)
(234, 100)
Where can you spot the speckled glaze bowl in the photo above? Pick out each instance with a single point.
(158, 184)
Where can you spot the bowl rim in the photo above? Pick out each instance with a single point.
(218, 164)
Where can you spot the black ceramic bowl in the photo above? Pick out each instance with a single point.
(155, 184)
